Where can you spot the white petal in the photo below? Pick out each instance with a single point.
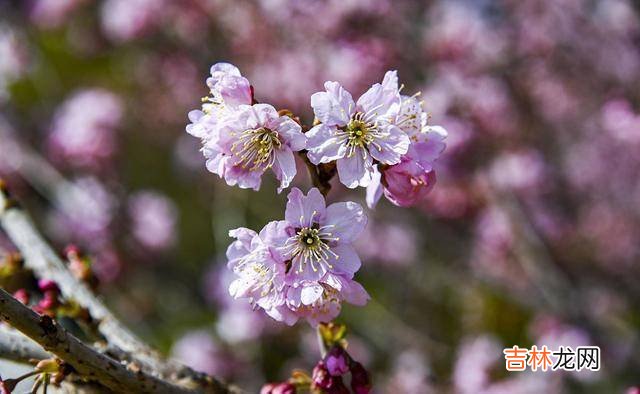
(355, 170)
(347, 220)
(311, 294)
(333, 107)
(323, 144)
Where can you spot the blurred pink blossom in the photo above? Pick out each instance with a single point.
(153, 219)
(409, 374)
(456, 31)
(492, 253)
(551, 332)
(393, 244)
(612, 232)
(83, 213)
(237, 322)
(123, 20)
(13, 58)
(107, 265)
(53, 13)
(198, 350)
(474, 360)
(84, 126)
(619, 120)
(518, 170)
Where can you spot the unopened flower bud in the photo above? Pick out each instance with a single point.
(71, 251)
(47, 303)
(278, 388)
(360, 383)
(321, 378)
(46, 285)
(337, 361)
(22, 296)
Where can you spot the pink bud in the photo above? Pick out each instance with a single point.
(407, 183)
(71, 250)
(22, 296)
(278, 388)
(47, 303)
(337, 361)
(321, 378)
(46, 285)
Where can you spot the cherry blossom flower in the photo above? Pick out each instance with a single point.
(241, 141)
(303, 266)
(255, 139)
(228, 90)
(356, 133)
(319, 237)
(410, 180)
(237, 322)
(261, 273)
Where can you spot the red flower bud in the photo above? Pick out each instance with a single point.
(337, 361)
(360, 383)
(278, 388)
(321, 377)
(22, 296)
(46, 285)
(71, 251)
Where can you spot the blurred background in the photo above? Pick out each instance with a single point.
(531, 235)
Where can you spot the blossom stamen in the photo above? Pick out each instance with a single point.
(256, 148)
(310, 246)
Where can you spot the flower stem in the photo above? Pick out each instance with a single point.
(321, 344)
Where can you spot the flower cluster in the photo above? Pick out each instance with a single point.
(242, 139)
(381, 141)
(303, 266)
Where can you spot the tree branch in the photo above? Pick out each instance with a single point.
(84, 359)
(16, 347)
(46, 263)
